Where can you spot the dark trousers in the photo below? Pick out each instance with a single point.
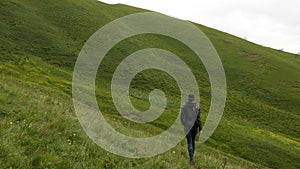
(190, 137)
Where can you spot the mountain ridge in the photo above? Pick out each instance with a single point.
(40, 41)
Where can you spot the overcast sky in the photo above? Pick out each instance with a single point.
(272, 23)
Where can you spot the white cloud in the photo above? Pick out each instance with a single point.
(273, 23)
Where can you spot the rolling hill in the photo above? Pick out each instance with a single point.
(40, 41)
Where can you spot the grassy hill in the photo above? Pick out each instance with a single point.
(40, 41)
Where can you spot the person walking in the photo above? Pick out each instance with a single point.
(190, 119)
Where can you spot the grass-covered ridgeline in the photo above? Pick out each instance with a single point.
(40, 41)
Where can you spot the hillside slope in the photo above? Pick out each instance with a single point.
(40, 41)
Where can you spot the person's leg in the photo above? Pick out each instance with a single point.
(190, 145)
(194, 132)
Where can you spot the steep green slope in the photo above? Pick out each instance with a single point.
(40, 41)
(39, 128)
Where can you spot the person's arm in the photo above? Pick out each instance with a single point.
(199, 120)
(181, 116)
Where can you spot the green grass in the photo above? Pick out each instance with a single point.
(39, 129)
(40, 41)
